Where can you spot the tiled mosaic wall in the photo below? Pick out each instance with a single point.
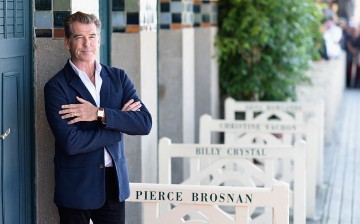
(130, 15)
(176, 14)
(205, 13)
(136, 15)
(49, 16)
(133, 15)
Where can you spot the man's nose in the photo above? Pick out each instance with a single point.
(86, 42)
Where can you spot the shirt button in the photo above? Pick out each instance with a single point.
(101, 166)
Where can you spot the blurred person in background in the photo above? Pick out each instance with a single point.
(353, 66)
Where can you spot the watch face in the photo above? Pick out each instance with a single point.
(100, 113)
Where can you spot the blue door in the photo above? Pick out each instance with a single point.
(15, 113)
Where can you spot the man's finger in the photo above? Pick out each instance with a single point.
(132, 107)
(68, 115)
(81, 100)
(66, 111)
(69, 111)
(70, 106)
(127, 104)
(137, 107)
(74, 120)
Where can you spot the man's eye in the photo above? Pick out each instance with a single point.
(77, 37)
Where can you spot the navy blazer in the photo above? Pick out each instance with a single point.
(79, 147)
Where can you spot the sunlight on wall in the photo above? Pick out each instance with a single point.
(357, 12)
(88, 6)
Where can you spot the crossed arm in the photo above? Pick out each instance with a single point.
(85, 111)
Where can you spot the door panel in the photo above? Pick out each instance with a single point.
(15, 113)
(11, 148)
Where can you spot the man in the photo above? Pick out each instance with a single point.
(89, 106)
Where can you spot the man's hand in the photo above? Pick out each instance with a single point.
(83, 111)
(131, 106)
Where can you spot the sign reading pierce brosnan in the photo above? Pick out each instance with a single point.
(209, 195)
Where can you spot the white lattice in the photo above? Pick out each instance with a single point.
(189, 207)
(285, 111)
(244, 172)
(285, 132)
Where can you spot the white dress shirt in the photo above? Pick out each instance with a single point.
(95, 93)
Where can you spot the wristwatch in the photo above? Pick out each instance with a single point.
(100, 113)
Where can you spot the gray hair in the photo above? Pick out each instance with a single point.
(80, 17)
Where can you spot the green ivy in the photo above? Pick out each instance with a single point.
(265, 46)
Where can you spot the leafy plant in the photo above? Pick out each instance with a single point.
(265, 46)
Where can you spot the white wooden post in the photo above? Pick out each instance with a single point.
(312, 161)
(300, 174)
(164, 161)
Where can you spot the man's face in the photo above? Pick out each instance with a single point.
(83, 43)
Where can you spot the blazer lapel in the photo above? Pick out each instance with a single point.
(76, 83)
(105, 88)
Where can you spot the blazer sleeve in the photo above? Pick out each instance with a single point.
(128, 122)
(71, 138)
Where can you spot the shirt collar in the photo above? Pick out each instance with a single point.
(78, 71)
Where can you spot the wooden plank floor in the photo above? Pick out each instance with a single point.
(339, 197)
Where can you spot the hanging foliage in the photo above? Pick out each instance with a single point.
(265, 46)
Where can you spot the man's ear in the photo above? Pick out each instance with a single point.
(67, 43)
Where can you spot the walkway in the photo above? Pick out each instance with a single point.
(339, 198)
